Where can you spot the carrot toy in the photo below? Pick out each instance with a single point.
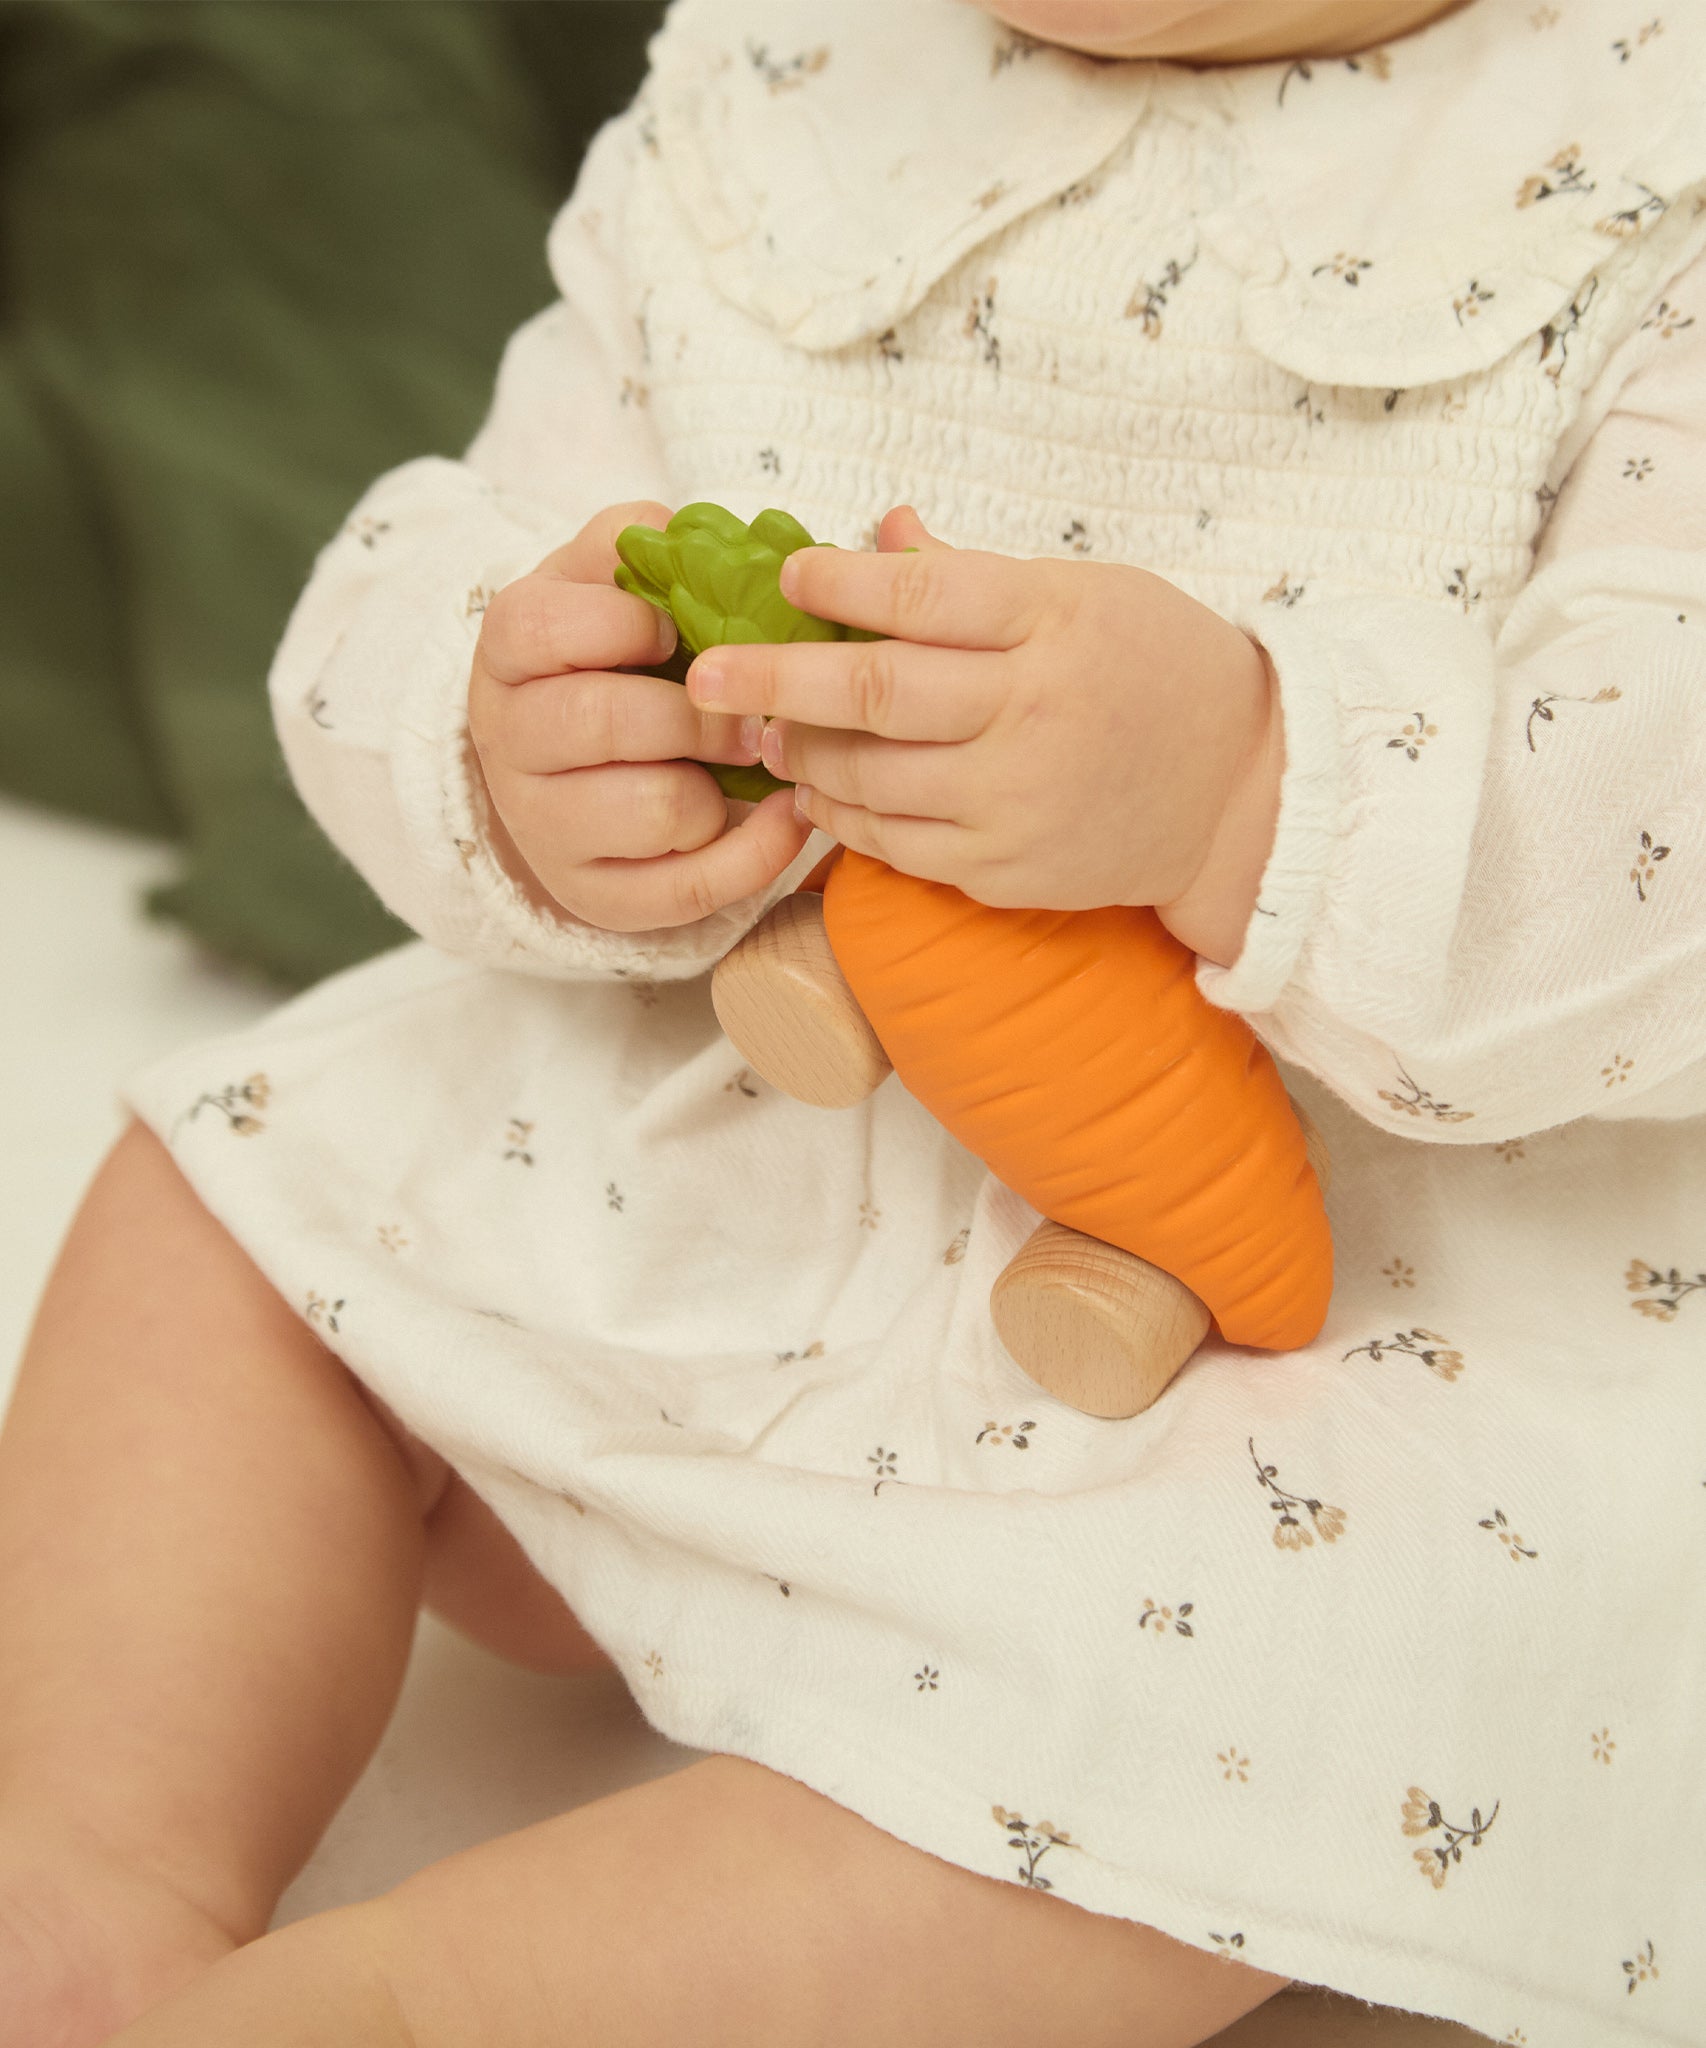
(1071, 1051)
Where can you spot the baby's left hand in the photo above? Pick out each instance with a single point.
(1043, 734)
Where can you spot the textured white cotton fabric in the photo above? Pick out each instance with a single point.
(1381, 1663)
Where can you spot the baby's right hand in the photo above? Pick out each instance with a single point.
(591, 772)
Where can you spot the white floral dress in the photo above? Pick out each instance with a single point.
(1382, 1663)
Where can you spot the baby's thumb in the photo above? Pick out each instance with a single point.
(902, 529)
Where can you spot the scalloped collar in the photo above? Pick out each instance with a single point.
(1472, 176)
(1403, 216)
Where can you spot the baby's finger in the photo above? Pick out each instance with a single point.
(622, 811)
(581, 721)
(680, 888)
(541, 626)
(591, 556)
(889, 687)
(947, 597)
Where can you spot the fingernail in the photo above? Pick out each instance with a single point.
(770, 748)
(802, 797)
(667, 635)
(752, 735)
(709, 681)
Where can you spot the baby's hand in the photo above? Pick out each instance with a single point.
(1057, 735)
(591, 771)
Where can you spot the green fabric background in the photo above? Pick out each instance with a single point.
(252, 253)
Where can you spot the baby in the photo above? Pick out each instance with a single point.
(1307, 544)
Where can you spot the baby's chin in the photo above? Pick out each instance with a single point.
(1225, 31)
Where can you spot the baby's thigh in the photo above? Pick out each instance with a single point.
(477, 1577)
(726, 1904)
(479, 1580)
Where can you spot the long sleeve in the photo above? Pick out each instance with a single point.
(370, 682)
(1485, 909)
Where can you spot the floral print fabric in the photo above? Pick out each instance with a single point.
(1354, 1663)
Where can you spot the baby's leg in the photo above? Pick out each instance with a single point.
(723, 1907)
(211, 1553)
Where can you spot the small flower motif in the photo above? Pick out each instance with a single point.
(613, 1196)
(316, 707)
(475, 603)
(1626, 46)
(1646, 862)
(234, 1102)
(1669, 320)
(883, 1462)
(957, 1250)
(1673, 1288)
(1149, 301)
(1473, 298)
(1166, 1620)
(1290, 1532)
(812, 1350)
(781, 1585)
(1307, 410)
(1077, 538)
(1233, 1765)
(322, 1312)
(1510, 1149)
(741, 1084)
(1603, 1745)
(1516, 2038)
(1541, 708)
(1563, 173)
(1619, 1070)
(646, 993)
(1014, 47)
(1347, 268)
(1205, 519)
(392, 1238)
(1400, 1274)
(1422, 1816)
(518, 1136)
(1419, 1103)
(1461, 586)
(654, 1664)
(1226, 1945)
(367, 529)
(991, 195)
(1513, 1543)
(788, 73)
(1638, 468)
(465, 852)
(1282, 592)
(1419, 1344)
(927, 1678)
(1556, 333)
(980, 325)
(1415, 735)
(770, 462)
(635, 393)
(1642, 1966)
(1036, 1840)
(888, 347)
(1015, 1433)
(870, 1216)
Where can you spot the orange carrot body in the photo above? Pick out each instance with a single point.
(1073, 1053)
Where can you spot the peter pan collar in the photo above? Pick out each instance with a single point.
(1400, 217)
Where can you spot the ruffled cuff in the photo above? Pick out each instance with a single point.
(1385, 706)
